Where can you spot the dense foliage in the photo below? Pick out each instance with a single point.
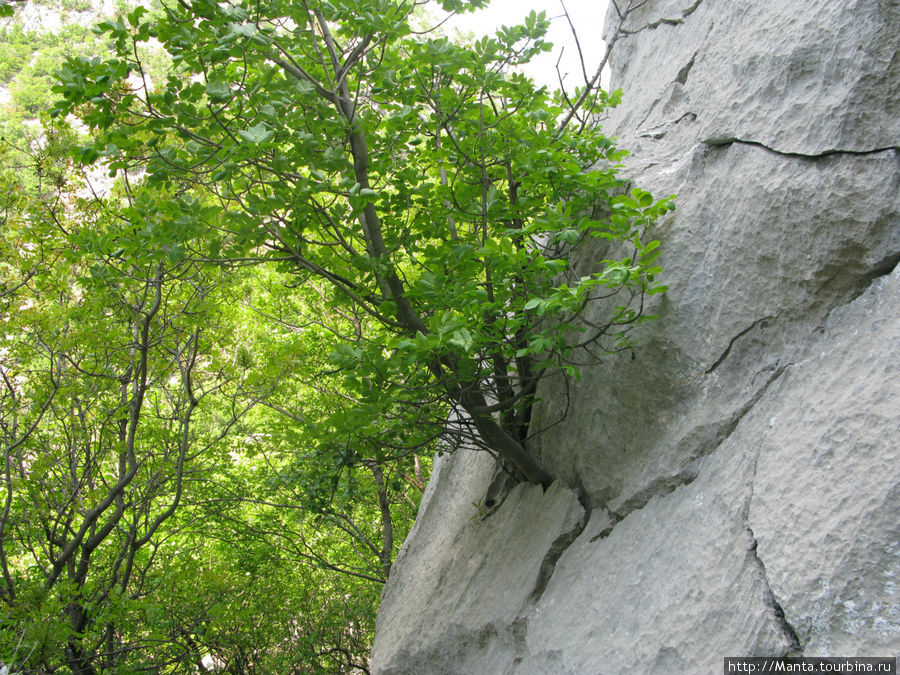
(334, 243)
(152, 508)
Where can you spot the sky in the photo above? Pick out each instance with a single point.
(586, 15)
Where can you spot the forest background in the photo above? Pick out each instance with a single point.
(258, 263)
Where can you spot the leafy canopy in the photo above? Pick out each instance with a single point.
(150, 509)
(333, 240)
(429, 184)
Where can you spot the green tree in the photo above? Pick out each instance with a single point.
(438, 193)
(150, 507)
(333, 243)
(14, 52)
(100, 390)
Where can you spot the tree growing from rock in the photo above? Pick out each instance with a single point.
(435, 193)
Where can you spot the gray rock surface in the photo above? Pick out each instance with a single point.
(807, 77)
(671, 588)
(740, 467)
(826, 495)
(466, 575)
(787, 541)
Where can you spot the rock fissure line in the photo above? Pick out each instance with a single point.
(690, 10)
(519, 634)
(606, 531)
(724, 354)
(660, 131)
(882, 268)
(790, 634)
(796, 647)
(557, 548)
(657, 488)
(665, 21)
(747, 407)
(689, 471)
(682, 75)
(718, 142)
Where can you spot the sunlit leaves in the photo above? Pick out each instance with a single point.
(430, 224)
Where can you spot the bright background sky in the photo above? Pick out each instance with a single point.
(586, 15)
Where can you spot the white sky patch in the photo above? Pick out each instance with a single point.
(587, 17)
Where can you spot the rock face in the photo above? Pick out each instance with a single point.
(732, 488)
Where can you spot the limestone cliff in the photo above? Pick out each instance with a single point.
(732, 487)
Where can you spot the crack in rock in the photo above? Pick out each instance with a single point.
(606, 531)
(682, 75)
(557, 548)
(882, 268)
(658, 487)
(519, 635)
(747, 407)
(724, 354)
(730, 140)
(706, 439)
(795, 647)
(661, 130)
(690, 10)
(665, 21)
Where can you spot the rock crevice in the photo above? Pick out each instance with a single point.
(724, 354)
(552, 556)
(717, 142)
(701, 442)
(655, 23)
(794, 648)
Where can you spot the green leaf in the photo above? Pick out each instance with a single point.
(462, 338)
(134, 17)
(556, 265)
(257, 134)
(176, 254)
(218, 90)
